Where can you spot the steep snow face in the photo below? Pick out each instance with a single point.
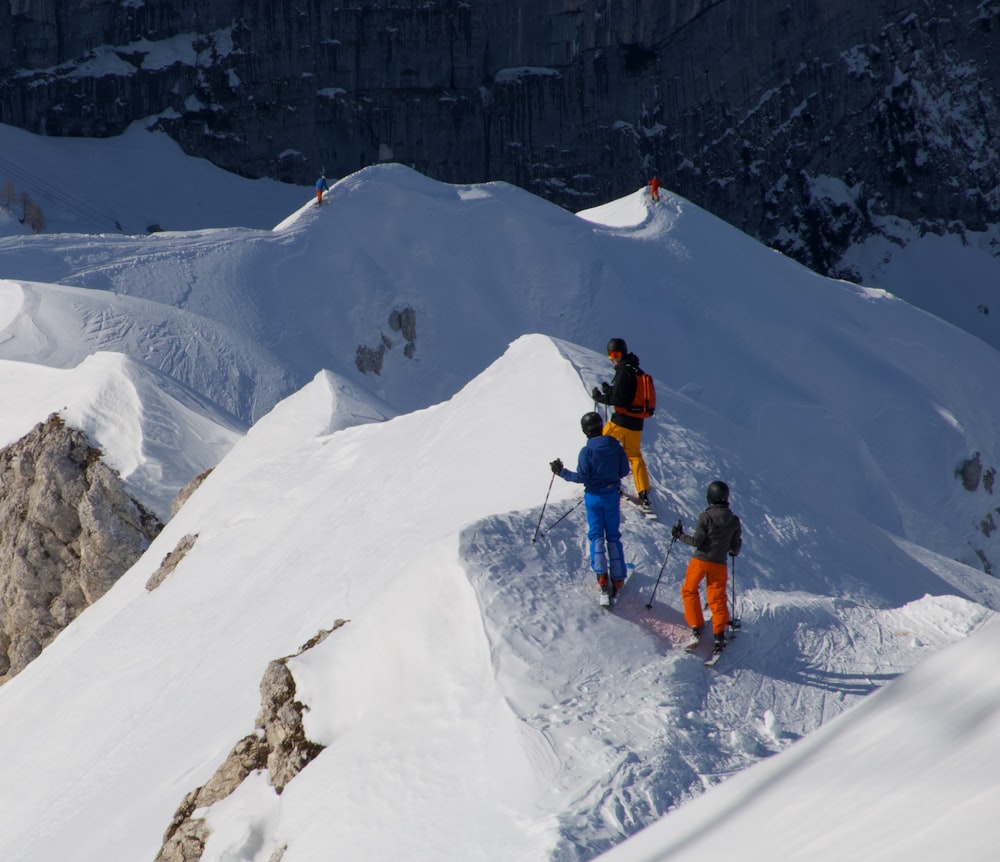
(476, 703)
(288, 542)
(953, 276)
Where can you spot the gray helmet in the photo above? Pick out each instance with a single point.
(619, 345)
(592, 424)
(718, 492)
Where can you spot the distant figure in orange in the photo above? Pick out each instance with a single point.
(654, 189)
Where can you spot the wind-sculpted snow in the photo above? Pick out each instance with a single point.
(60, 326)
(155, 433)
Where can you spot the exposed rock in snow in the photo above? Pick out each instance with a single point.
(278, 744)
(187, 491)
(171, 561)
(68, 531)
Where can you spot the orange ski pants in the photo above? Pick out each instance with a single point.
(715, 577)
(631, 442)
(319, 196)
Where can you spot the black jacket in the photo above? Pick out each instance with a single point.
(622, 392)
(717, 533)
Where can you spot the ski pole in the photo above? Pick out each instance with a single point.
(734, 621)
(548, 529)
(599, 411)
(542, 514)
(649, 604)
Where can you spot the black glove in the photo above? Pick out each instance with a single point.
(556, 466)
(607, 389)
(677, 530)
(596, 393)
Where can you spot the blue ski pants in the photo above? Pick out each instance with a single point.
(604, 533)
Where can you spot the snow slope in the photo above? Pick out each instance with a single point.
(129, 184)
(953, 276)
(155, 433)
(60, 326)
(477, 704)
(908, 774)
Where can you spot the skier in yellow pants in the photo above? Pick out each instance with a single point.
(631, 405)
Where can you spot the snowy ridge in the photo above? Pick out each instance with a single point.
(582, 726)
(59, 327)
(476, 703)
(791, 356)
(213, 603)
(156, 434)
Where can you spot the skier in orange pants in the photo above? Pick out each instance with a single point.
(717, 534)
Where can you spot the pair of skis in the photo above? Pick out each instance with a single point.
(605, 599)
(644, 508)
(713, 659)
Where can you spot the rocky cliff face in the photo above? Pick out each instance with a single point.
(68, 531)
(808, 124)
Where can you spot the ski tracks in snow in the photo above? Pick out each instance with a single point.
(636, 724)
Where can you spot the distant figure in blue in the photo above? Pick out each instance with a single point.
(600, 468)
(321, 186)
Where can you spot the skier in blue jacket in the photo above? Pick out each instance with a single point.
(601, 466)
(321, 186)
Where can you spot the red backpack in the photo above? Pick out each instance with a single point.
(644, 402)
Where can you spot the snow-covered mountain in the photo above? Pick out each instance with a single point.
(814, 127)
(409, 358)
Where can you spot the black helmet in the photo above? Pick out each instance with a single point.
(718, 492)
(592, 424)
(619, 345)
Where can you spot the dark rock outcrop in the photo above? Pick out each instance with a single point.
(68, 531)
(401, 320)
(803, 123)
